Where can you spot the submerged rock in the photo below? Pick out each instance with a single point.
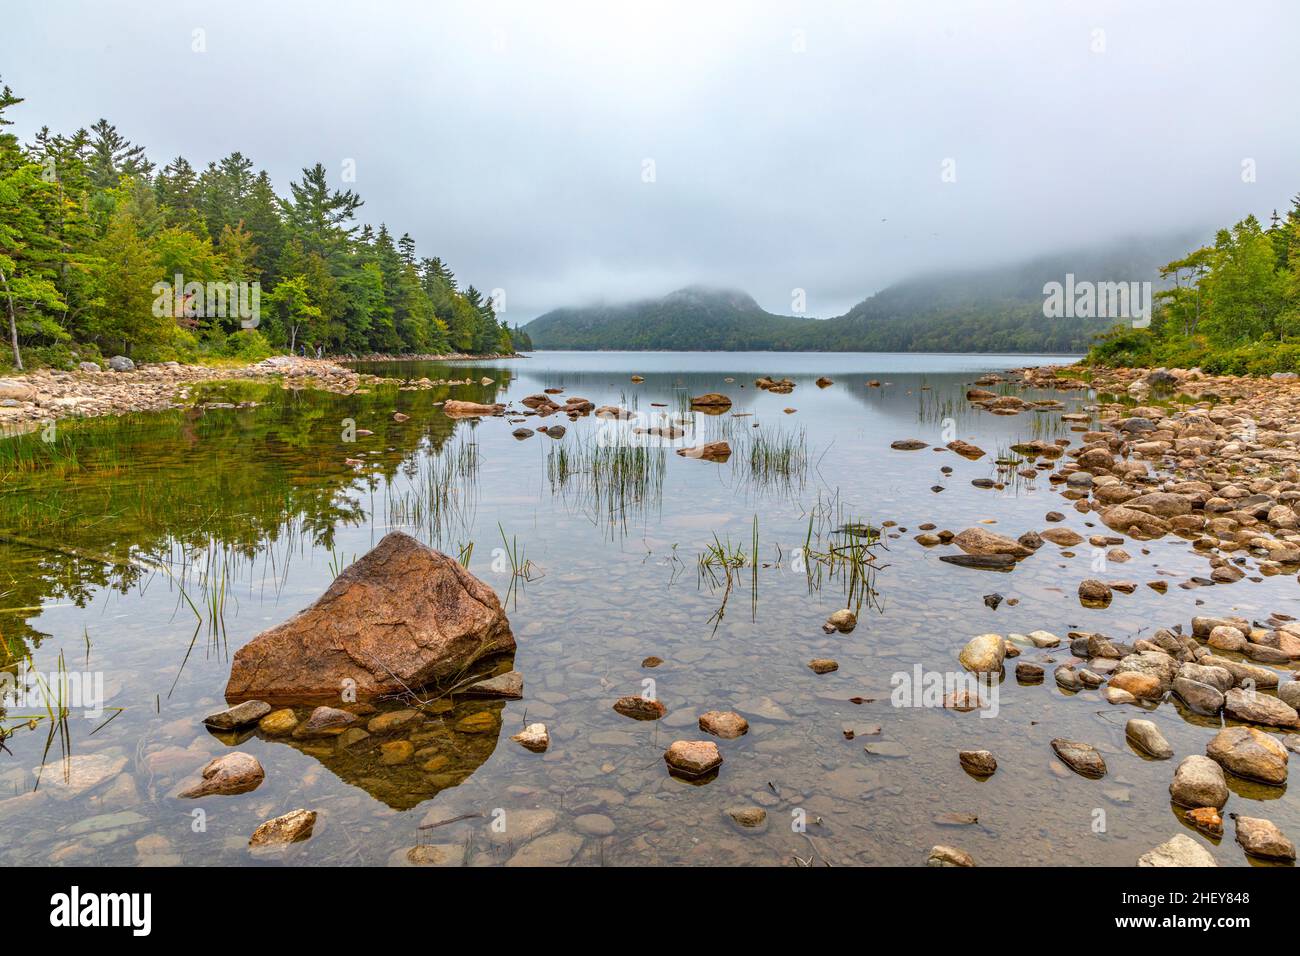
(393, 721)
(278, 722)
(241, 715)
(483, 722)
(291, 827)
(1147, 737)
(693, 758)
(750, 818)
(325, 722)
(534, 737)
(507, 686)
(554, 849)
(949, 856)
(400, 618)
(725, 724)
(1262, 838)
(979, 762)
(982, 562)
(393, 753)
(639, 708)
(230, 773)
(842, 620)
(1082, 758)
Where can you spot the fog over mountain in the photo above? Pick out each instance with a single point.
(994, 309)
(565, 153)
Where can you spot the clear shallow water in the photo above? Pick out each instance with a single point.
(258, 503)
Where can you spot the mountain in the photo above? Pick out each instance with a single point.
(996, 309)
(697, 317)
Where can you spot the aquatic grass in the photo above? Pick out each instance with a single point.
(443, 497)
(838, 547)
(768, 460)
(55, 716)
(70, 445)
(338, 563)
(720, 565)
(521, 568)
(608, 480)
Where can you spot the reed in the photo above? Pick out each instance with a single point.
(608, 480)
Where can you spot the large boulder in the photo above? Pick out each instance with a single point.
(402, 617)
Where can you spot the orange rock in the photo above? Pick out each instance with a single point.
(402, 617)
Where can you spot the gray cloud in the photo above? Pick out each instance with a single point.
(509, 138)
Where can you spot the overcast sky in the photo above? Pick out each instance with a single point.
(793, 145)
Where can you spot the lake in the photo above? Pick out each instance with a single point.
(169, 540)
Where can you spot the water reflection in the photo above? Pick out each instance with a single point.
(265, 504)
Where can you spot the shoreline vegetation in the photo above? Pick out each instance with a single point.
(105, 253)
(1232, 308)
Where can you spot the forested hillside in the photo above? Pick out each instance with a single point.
(90, 225)
(692, 318)
(986, 310)
(1231, 307)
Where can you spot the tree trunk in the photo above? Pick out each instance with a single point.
(13, 322)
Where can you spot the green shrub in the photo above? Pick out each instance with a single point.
(1123, 345)
(248, 345)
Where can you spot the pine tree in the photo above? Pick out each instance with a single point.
(113, 156)
(88, 230)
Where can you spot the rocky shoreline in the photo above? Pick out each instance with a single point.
(29, 400)
(1165, 452)
(433, 357)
